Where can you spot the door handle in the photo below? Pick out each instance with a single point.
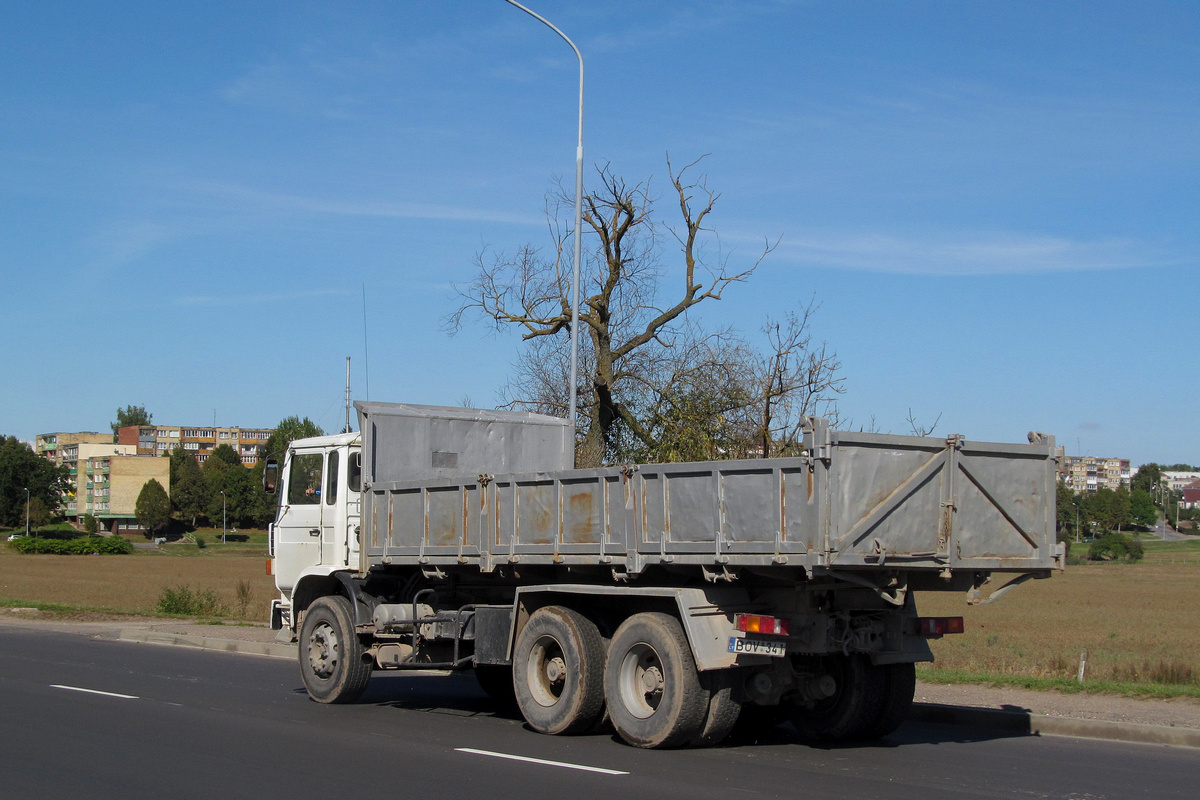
(315, 532)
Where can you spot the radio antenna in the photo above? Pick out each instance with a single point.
(366, 361)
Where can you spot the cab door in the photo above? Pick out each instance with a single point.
(299, 526)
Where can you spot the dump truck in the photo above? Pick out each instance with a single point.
(664, 600)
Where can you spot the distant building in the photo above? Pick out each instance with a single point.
(109, 485)
(1175, 481)
(1087, 474)
(160, 440)
(1190, 495)
(104, 479)
(51, 445)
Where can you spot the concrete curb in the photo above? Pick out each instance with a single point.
(272, 649)
(1018, 722)
(1028, 723)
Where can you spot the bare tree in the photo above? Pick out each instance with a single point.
(797, 378)
(656, 386)
(919, 429)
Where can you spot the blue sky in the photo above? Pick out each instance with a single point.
(996, 204)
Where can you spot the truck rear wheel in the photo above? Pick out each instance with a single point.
(854, 706)
(723, 707)
(900, 683)
(558, 671)
(654, 694)
(331, 654)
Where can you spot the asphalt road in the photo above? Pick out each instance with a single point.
(98, 719)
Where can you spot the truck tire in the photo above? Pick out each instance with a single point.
(655, 698)
(558, 671)
(331, 654)
(900, 683)
(854, 706)
(723, 707)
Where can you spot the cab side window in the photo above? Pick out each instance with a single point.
(331, 479)
(304, 479)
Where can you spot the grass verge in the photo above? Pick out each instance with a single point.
(1146, 691)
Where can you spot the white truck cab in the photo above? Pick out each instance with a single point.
(316, 528)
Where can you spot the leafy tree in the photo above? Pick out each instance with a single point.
(1121, 507)
(153, 507)
(131, 415)
(646, 367)
(239, 497)
(39, 515)
(1066, 501)
(288, 430)
(189, 492)
(1147, 475)
(21, 469)
(224, 452)
(1142, 508)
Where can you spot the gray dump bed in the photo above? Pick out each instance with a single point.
(854, 500)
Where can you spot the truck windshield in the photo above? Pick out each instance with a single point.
(304, 479)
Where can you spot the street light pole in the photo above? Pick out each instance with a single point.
(26, 510)
(578, 222)
(222, 516)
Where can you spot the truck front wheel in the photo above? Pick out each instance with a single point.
(331, 654)
(558, 669)
(654, 694)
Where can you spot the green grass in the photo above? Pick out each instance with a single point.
(931, 674)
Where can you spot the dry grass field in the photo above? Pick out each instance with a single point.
(1139, 623)
(133, 583)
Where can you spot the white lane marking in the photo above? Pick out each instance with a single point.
(94, 691)
(562, 764)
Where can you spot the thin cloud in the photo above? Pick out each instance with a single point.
(289, 203)
(982, 254)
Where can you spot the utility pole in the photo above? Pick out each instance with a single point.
(347, 428)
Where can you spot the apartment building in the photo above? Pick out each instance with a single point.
(1088, 474)
(51, 445)
(108, 487)
(160, 440)
(1176, 481)
(104, 479)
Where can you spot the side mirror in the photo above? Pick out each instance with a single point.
(271, 476)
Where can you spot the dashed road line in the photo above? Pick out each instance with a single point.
(545, 762)
(94, 691)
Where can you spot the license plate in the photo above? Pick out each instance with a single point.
(758, 647)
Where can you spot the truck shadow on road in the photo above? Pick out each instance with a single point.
(459, 695)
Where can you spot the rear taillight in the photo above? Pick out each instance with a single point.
(757, 623)
(939, 626)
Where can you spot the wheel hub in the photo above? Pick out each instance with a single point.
(323, 651)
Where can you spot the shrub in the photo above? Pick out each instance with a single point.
(245, 593)
(184, 601)
(86, 546)
(1114, 546)
(200, 543)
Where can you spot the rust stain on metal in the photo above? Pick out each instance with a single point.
(388, 535)
(783, 506)
(581, 519)
(465, 514)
